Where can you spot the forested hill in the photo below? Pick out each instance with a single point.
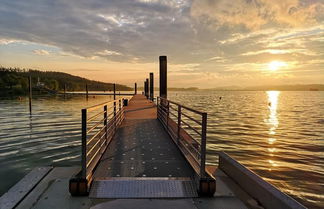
(15, 81)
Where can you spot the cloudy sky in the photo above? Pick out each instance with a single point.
(209, 43)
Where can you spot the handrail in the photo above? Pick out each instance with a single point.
(104, 123)
(187, 143)
(183, 106)
(94, 107)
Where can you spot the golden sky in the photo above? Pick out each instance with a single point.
(209, 43)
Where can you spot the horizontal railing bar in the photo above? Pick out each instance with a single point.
(164, 110)
(95, 116)
(171, 113)
(191, 127)
(185, 107)
(88, 163)
(90, 150)
(191, 118)
(110, 114)
(91, 108)
(194, 150)
(175, 135)
(162, 118)
(96, 125)
(189, 151)
(95, 135)
(175, 109)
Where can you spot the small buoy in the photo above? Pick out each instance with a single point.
(220, 98)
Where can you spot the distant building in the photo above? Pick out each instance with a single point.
(40, 84)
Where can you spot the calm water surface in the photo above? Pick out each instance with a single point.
(279, 135)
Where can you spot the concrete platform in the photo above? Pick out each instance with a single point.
(52, 192)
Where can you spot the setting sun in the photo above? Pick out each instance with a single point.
(275, 65)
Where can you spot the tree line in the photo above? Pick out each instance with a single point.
(15, 81)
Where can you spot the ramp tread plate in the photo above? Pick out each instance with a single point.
(145, 188)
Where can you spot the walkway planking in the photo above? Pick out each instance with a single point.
(141, 147)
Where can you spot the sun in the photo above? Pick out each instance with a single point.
(275, 65)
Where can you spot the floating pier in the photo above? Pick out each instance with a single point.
(145, 153)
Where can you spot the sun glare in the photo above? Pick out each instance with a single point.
(275, 65)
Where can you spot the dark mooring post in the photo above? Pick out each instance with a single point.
(87, 93)
(64, 91)
(30, 95)
(135, 88)
(114, 91)
(151, 87)
(163, 76)
(147, 88)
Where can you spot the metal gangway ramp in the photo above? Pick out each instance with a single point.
(142, 151)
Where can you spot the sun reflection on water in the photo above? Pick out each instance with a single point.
(273, 123)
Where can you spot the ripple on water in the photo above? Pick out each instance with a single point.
(282, 142)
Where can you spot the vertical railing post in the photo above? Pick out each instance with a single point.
(114, 107)
(167, 114)
(119, 111)
(157, 108)
(203, 145)
(135, 89)
(105, 121)
(122, 113)
(179, 122)
(84, 144)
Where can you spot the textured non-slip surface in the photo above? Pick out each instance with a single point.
(143, 188)
(141, 147)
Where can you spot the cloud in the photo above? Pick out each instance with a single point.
(41, 52)
(215, 35)
(254, 14)
(107, 53)
(7, 41)
(86, 28)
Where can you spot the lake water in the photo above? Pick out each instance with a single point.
(278, 135)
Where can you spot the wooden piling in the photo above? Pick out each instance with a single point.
(87, 93)
(30, 95)
(114, 91)
(135, 89)
(151, 87)
(147, 88)
(163, 76)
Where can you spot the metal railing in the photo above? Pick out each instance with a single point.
(187, 127)
(99, 124)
